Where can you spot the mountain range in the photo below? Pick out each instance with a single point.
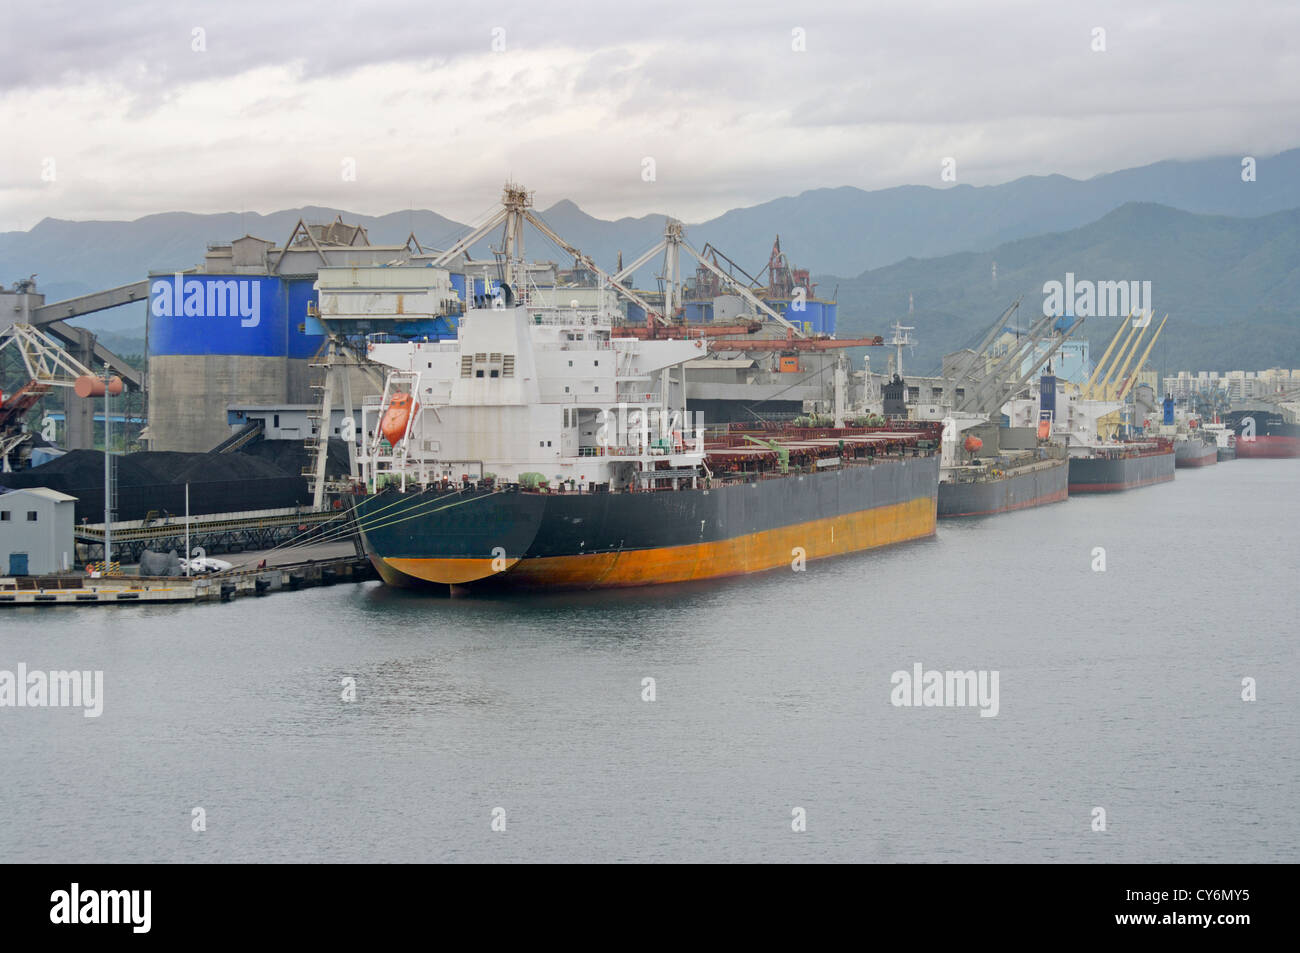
(1207, 238)
(1231, 287)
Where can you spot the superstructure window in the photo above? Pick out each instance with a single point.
(31, 516)
(494, 364)
(4, 516)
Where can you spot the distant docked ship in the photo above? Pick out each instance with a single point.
(1016, 482)
(1121, 465)
(988, 468)
(1195, 448)
(1264, 433)
(1225, 441)
(975, 480)
(1097, 464)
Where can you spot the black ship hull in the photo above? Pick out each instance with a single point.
(1264, 433)
(1112, 474)
(1045, 482)
(527, 539)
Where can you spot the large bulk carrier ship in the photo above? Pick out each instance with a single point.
(539, 450)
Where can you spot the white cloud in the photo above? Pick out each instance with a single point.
(139, 123)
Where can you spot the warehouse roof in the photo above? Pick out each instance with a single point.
(46, 493)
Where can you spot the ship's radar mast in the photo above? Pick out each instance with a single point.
(900, 340)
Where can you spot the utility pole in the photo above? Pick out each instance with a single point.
(187, 527)
(108, 470)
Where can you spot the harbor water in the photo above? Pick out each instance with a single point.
(1119, 689)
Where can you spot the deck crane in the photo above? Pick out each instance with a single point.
(1131, 378)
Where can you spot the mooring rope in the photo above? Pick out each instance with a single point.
(372, 521)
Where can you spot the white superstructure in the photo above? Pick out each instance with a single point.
(1075, 421)
(529, 391)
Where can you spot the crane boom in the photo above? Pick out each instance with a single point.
(1112, 384)
(1128, 346)
(586, 262)
(1129, 380)
(1106, 356)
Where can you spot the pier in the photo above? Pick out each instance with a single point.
(332, 563)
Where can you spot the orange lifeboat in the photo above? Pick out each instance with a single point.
(1044, 429)
(393, 424)
(973, 444)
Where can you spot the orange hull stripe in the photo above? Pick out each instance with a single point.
(755, 552)
(449, 571)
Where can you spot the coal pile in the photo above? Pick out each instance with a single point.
(267, 477)
(291, 455)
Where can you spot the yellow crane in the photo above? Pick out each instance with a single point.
(1129, 380)
(1126, 352)
(1087, 388)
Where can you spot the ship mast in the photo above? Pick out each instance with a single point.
(900, 340)
(516, 200)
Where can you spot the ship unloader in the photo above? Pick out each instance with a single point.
(539, 451)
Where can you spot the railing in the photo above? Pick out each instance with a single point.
(591, 344)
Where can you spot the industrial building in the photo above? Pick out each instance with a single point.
(36, 527)
(238, 329)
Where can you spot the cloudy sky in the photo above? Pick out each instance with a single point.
(119, 110)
